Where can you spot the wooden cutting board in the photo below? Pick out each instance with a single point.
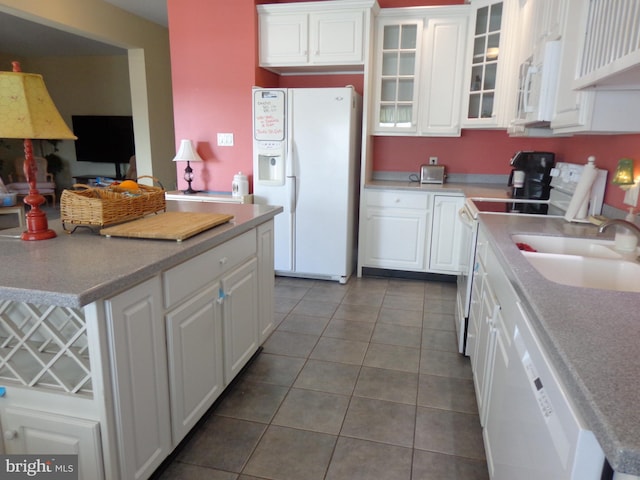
(168, 225)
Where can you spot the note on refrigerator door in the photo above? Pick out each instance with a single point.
(268, 115)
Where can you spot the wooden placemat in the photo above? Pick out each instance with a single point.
(168, 225)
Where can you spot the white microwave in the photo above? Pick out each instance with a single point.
(537, 87)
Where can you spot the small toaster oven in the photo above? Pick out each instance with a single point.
(432, 174)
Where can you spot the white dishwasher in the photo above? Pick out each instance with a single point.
(532, 432)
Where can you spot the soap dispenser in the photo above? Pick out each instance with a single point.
(626, 240)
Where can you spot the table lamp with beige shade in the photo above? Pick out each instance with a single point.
(27, 112)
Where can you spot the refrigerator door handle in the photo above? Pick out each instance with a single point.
(291, 194)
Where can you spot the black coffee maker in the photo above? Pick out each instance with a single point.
(530, 178)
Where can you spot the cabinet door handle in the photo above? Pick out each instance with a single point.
(10, 434)
(223, 260)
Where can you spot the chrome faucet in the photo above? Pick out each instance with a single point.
(624, 223)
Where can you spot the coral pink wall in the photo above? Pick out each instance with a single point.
(489, 152)
(213, 60)
(214, 63)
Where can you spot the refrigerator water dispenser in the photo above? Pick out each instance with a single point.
(271, 163)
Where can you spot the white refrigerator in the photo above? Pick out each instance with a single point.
(306, 158)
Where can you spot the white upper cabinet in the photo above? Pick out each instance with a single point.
(569, 44)
(313, 36)
(444, 44)
(284, 39)
(419, 70)
(610, 53)
(611, 109)
(336, 38)
(491, 74)
(398, 66)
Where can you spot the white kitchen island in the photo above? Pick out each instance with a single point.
(114, 348)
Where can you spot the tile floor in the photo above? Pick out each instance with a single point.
(358, 381)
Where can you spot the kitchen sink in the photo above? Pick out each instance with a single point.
(585, 247)
(581, 262)
(589, 272)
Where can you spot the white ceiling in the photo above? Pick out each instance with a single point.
(24, 38)
(154, 10)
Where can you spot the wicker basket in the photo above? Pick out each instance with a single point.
(99, 207)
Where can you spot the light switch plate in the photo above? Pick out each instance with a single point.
(225, 139)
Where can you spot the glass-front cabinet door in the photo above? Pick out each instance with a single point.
(398, 66)
(492, 73)
(484, 68)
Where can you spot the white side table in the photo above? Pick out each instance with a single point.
(19, 210)
(207, 197)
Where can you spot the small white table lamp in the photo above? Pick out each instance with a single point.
(187, 153)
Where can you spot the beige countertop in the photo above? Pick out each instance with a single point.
(592, 337)
(73, 270)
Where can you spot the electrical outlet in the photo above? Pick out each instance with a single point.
(433, 160)
(225, 139)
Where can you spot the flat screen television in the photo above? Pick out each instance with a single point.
(104, 139)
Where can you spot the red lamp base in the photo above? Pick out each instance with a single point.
(44, 235)
(37, 225)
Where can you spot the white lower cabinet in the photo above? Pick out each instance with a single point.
(239, 290)
(475, 313)
(34, 432)
(140, 378)
(179, 338)
(194, 341)
(214, 319)
(448, 234)
(265, 279)
(484, 320)
(485, 350)
(490, 422)
(210, 338)
(395, 229)
(412, 230)
(395, 239)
